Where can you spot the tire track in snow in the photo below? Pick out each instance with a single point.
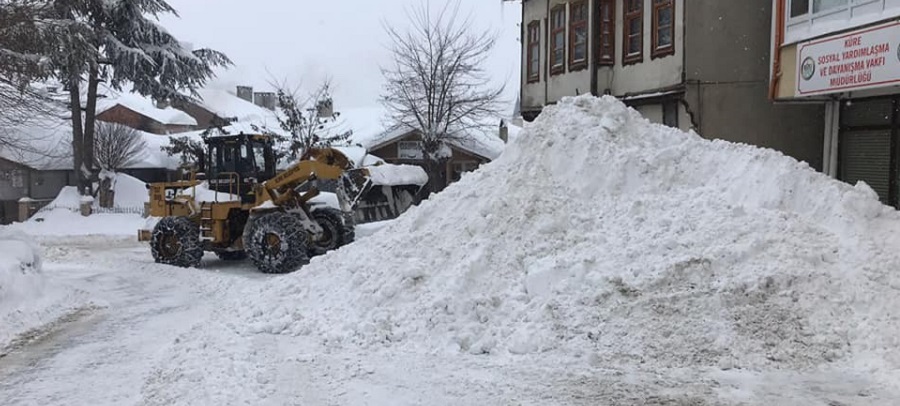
(104, 356)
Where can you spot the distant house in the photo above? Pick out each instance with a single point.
(370, 128)
(466, 152)
(141, 114)
(42, 165)
(18, 181)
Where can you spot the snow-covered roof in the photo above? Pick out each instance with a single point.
(46, 144)
(227, 105)
(365, 122)
(145, 107)
(484, 143)
(42, 143)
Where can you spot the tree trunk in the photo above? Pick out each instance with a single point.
(107, 195)
(437, 174)
(77, 130)
(89, 123)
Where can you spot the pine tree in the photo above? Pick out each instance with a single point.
(37, 37)
(125, 48)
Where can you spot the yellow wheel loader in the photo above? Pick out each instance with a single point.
(239, 207)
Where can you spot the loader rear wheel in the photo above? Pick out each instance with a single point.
(277, 243)
(176, 241)
(232, 255)
(334, 233)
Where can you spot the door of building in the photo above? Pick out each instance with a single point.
(868, 145)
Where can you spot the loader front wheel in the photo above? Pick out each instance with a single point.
(176, 241)
(334, 233)
(277, 243)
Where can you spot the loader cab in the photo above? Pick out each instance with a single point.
(237, 163)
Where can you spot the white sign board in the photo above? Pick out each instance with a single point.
(409, 150)
(863, 59)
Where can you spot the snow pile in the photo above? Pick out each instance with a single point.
(602, 236)
(20, 266)
(68, 198)
(129, 191)
(27, 299)
(392, 175)
(62, 216)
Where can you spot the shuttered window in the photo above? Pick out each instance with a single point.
(866, 156)
(607, 28)
(868, 145)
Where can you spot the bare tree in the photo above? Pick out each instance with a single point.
(117, 146)
(306, 119)
(437, 83)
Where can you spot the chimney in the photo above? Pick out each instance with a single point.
(245, 92)
(162, 104)
(265, 100)
(325, 107)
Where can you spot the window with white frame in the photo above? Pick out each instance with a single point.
(806, 8)
(411, 150)
(807, 19)
(558, 39)
(826, 5)
(799, 8)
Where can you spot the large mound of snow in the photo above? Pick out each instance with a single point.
(28, 300)
(129, 191)
(602, 236)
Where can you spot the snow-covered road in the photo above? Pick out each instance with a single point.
(159, 335)
(151, 340)
(101, 354)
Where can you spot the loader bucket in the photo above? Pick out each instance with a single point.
(354, 184)
(392, 190)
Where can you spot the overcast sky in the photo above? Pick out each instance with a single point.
(303, 40)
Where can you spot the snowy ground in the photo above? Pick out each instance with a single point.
(150, 343)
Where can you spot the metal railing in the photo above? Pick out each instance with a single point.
(95, 209)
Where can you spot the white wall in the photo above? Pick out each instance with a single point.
(647, 76)
(533, 93)
(651, 74)
(831, 21)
